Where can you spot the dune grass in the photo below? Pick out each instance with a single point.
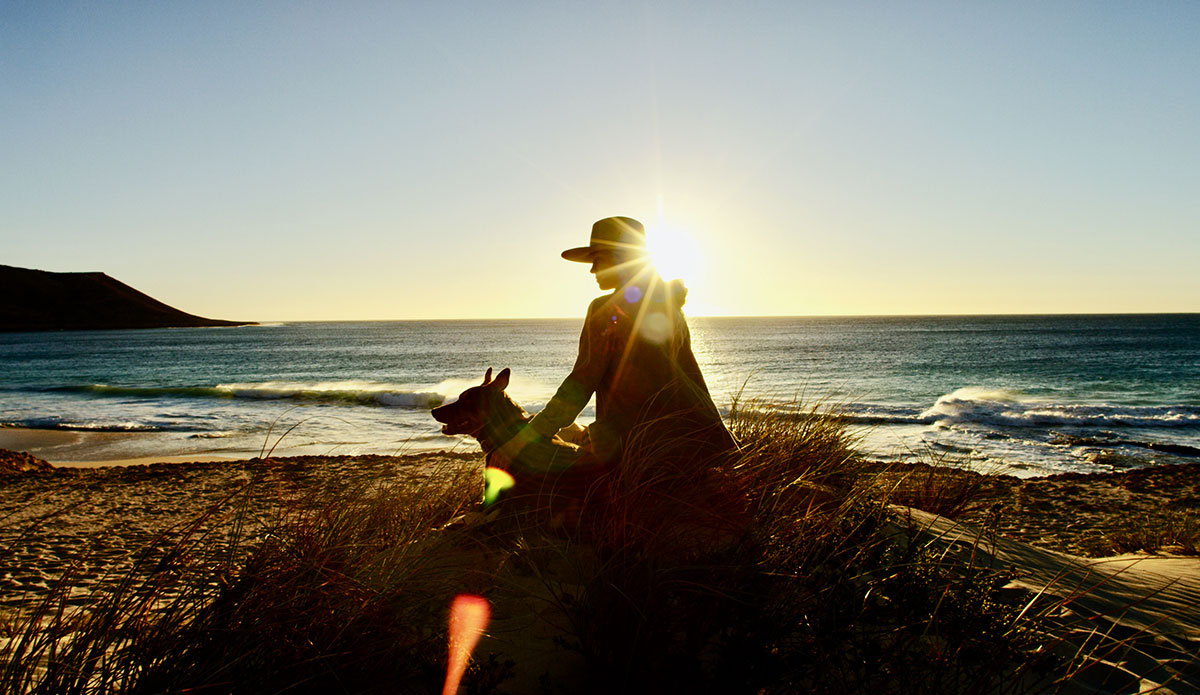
(936, 483)
(1171, 529)
(780, 570)
(343, 591)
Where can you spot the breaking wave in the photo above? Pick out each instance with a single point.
(1005, 408)
(52, 423)
(1002, 408)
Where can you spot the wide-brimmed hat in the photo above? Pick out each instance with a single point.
(624, 236)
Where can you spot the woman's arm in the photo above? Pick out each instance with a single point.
(590, 366)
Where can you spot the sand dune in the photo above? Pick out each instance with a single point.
(1137, 615)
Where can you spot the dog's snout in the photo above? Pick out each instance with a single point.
(442, 413)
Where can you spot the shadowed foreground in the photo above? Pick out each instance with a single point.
(787, 570)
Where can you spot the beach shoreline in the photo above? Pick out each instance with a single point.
(98, 448)
(95, 449)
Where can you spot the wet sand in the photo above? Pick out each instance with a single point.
(84, 448)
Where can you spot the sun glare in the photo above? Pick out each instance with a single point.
(676, 254)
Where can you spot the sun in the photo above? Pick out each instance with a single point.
(676, 254)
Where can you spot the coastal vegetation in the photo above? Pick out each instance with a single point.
(792, 568)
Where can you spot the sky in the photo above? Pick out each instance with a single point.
(430, 160)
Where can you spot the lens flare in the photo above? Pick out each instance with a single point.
(655, 327)
(469, 617)
(496, 481)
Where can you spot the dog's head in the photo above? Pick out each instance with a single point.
(473, 409)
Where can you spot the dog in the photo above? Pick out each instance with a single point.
(566, 488)
(548, 472)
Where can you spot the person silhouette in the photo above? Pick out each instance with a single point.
(635, 355)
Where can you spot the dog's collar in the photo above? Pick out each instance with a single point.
(501, 437)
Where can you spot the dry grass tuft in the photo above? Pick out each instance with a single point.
(1171, 530)
(937, 485)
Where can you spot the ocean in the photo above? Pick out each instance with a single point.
(1027, 395)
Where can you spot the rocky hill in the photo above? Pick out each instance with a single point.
(37, 300)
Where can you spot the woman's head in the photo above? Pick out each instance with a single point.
(614, 269)
(616, 252)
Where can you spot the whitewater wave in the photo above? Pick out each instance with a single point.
(57, 424)
(873, 414)
(340, 392)
(1007, 408)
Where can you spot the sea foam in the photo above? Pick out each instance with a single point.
(1010, 408)
(340, 392)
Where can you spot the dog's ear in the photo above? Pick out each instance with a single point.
(501, 381)
(487, 377)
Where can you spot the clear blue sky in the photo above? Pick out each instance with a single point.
(290, 161)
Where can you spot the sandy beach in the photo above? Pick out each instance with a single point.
(94, 521)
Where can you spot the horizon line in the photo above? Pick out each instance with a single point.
(755, 316)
